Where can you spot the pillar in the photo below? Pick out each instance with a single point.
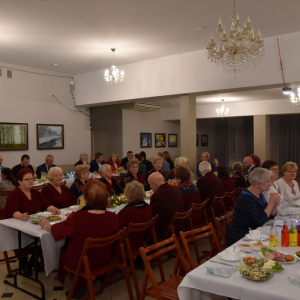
(188, 129)
(261, 131)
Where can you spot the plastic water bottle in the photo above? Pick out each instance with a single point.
(273, 235)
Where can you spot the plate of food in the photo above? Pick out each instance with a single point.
(261, 263)
(258, 244)
(35, 220)
(275, 255)
(256, 274)
(67, 214)
(53, 218)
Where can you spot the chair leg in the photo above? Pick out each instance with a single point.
(144, 286)
(89, 278)
(135, 281)
(73, 285)
(125, 269)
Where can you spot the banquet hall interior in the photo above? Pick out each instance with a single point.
(53, 59)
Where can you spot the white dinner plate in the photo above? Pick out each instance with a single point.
(281, 262)
(263, 237)
(43, 214)
(236, 258)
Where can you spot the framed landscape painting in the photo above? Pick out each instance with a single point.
(172, 140)
(50, 136)
(146, 140)
(204, 140)
(13, 136)
(160, 140)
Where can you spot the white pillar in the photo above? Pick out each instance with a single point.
(261, 131)
(188, 129)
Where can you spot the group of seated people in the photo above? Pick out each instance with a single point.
(263, 193)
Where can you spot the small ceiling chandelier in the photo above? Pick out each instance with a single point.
(295, 99)
(222, 112)
(115, 78)
(238, 47)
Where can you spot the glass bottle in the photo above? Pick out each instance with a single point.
(299, 235)
(117, 170)
(293, 235)
(285, 235)
(273, 235)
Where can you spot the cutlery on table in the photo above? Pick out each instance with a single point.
(222, 263)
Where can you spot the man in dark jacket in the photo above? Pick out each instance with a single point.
(46, 166)
(97, 162)
(25, 163)
(165, 201)
(146, 162)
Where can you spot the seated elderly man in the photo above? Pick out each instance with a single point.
(249, 164)
(165, 201)
(46, 166)
(209, 185)
(25, 163)
(166, 165)
(205, 157)
(83, 159)
(97, 162)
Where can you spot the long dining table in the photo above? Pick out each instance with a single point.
(199, 284)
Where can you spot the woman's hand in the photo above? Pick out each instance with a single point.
(53, 210)
(274, 199)
(25, 217)
(45, 222)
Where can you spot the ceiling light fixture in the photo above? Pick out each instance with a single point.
(295, 100)
(222, 112)
(239, 47)
(286, 91)
(115, 78)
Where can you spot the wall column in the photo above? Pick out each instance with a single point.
(188, 129)
(261, 131)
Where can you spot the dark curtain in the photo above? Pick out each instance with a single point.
(221, 130)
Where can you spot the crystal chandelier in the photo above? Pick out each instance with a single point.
(222, 112)
(115, 78)
(295, 100)
(238, 47)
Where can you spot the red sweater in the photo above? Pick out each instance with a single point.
(112, 164)
(17, 201)
(65, 199)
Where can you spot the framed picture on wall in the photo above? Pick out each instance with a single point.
(204, 140)
(197, 140)
(172, 140)
(13, 136)
(146, 140)
(49, 136)
(160, 140)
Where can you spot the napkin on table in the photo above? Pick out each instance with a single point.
(294, 281)
(284, 212)
(222, 272)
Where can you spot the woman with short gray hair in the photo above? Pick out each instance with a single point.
(251, 209)
(112, 185)
(238, 178)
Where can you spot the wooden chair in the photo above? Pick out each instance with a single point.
(193, 236)
(221, 224)
(132, 254)
(83, 268)
(216, 208)
(196, 208)
(6, 257)
(229, 201)
(165, 289)
(238, 192)
(38, 187)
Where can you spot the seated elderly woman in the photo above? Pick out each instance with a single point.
(82, 174)
(132, 174)
(223, 174)
(272, 165)
(157, 164)
(238, 178)
(55, 193)
(25, 201)
(8, 183)
(114, 162)
(189, 192)
(83, 159)
(95, 222)
(287, 185)
(112, 185)
(179, 161)
(136, 211)
(251, 209)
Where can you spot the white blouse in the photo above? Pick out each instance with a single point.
(289, 195)
(273, 190)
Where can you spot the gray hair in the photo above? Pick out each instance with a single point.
(204, 166)
(207, 154)
(103, 168)
(134, 191)
(179, 161)
(82, 155)
(259, 175)
(49, 156)
(237, 167)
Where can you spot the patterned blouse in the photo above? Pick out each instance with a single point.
(187, 187)
(239, 180)
(128, 177)
(77, 188)
(114, 188)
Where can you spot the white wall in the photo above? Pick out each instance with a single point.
(135, 122)
(206, 127)
(191, 73)
(26, 98)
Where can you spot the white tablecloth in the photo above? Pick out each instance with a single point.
(200, 285)
(9, 240)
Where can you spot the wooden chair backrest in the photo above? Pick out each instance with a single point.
(222, 223)
(199, 207)
(195, 235)
(5, 193)
(229, 199)
(217, 202)
(38, 187)
(182, 218)
(156, 251)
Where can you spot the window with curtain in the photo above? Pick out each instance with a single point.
(234, 139)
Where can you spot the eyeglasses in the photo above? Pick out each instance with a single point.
(292, 172)
(30, 179)
(274, 169)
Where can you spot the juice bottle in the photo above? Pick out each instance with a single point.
(273, 235)
(285, 235)
(293, 235)
(299, 235)
(117, 170)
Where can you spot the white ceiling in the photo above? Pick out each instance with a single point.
(78, 34)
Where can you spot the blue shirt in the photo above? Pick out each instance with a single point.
(165, 167)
